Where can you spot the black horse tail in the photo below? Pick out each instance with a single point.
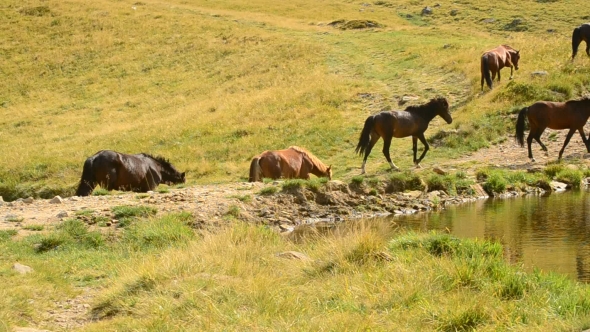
(485, 70)
(255, 170)
(520, 122)
(576, 40)
(365, 138)
(87, 182)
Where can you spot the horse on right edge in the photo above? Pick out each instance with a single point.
(572, 115)
(581, 33)
(496, 59)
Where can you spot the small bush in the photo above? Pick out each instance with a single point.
(294, 184)
(34, 227)
(400, 182)
(100, 192)
(7, 234)
(133, 211)
(467, 320)
(270, 190)
(570, 176)
(495, 184)
(358, 179)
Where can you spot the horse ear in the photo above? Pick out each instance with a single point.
(183, 174)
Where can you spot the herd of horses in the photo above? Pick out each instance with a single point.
(142, 172)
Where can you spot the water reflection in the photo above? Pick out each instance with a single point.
(550, 233)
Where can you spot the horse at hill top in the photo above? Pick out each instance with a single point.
(496, 59)
(571, 115)
(294, 162)
(581, 33)
(137, 172)
(413, 121)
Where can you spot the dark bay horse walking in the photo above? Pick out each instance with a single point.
(571, 115)
(131, 172)
(413, 121)
(294, 162)
(496, 59)
(581, 33)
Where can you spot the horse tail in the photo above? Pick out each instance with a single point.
(87, 181)
(576, 40)
(255, 170)
(520, 122)
(365, 138)
(485, 70)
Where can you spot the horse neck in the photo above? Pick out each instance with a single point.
(425, 113)
(318, 169)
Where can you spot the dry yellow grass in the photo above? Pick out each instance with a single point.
(208, 84)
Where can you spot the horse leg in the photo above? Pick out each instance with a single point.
(498, 75)
(414, 147)
(584, 139)
(386, 145)
(567, 140)
(529, 141)
(426, 148)
(588, 48)
(374, 139)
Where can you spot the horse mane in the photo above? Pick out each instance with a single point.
(583, 99)
(510, 48)
(318, 163)
(425, 108)
(165, 162)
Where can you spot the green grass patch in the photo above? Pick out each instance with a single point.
(268, 190)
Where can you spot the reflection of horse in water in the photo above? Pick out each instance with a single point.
(413, 121)
(496, 59)
(294, 162)
(571, 115)
(118, 171)
(581, 33)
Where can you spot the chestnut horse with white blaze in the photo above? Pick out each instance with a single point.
(413, 121)
(572, 115)
(496, 59)
(292, 163)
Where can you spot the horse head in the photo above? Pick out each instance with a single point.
(443, 109)
(514, 57)
(169, 174)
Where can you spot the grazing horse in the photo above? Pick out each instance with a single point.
(294, 162)
(413, 121)
(496, 59)
(132, 172)
(581, 33)
(571, 115)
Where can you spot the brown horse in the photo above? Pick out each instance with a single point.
(571, 115)
(496, 59)
(581, 33)
(294, 162)
(136, 172)
(413, 121)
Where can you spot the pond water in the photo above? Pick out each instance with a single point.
(550, 233)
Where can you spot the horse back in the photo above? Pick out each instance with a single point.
(547, 114)
(281, 163)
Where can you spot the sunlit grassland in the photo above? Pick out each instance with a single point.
(209, 84)
(157, 274)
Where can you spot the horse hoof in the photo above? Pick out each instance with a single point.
(533, 160)
(418, 166)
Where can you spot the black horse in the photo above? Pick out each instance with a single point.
(581, 33)
(119, 171)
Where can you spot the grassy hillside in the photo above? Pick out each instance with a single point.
(209, 84)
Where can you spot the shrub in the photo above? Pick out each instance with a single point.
(400, 182)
